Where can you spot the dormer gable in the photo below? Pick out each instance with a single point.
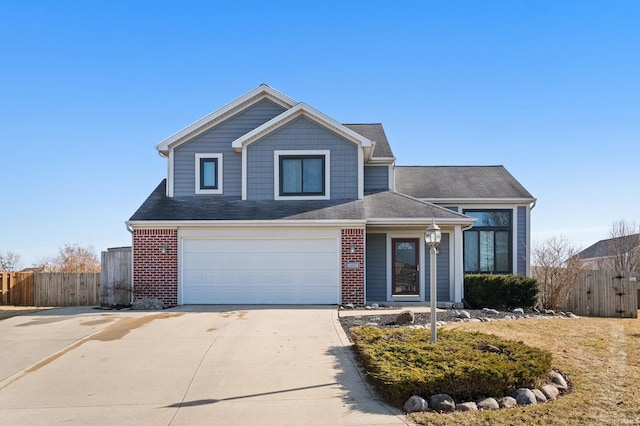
(303, 110)
(211, 120)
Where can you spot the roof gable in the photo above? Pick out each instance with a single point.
(205, 123)
(302, 110)
(375, 133)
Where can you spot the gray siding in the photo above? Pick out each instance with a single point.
(442, 271)
(376, 178)
(218, 140)
(521, 238)
(376, 267)
(302, 134)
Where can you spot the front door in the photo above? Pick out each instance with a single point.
(405, 267)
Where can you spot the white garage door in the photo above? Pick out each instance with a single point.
(260, 271)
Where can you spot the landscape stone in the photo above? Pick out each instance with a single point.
(559, 380)
(415, 403)
(488, 404)
(540, 397)
(525, 396)
(442, 402)
(148, 304)
(518, 311)
(550, 391)
(405, 317)
(467, 406)
(490, 311)
(507, 402)
(464, 315)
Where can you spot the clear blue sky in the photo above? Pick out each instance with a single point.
(549, 89)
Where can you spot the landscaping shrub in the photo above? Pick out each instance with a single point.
(500, 291)
(467, 366)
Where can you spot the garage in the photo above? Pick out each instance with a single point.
(259, 270)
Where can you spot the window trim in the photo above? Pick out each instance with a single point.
(494, 230)
(278, 154)
(208, 191)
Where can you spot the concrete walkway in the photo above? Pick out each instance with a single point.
(193, 365)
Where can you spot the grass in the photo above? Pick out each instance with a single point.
(8, 311)
(601, 355)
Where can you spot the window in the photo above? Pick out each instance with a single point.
(487, 246)
(302, 174)
(208, 173)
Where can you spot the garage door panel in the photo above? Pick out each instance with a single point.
(260, 271)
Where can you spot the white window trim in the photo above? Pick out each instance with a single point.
(276, 174)
(218, 177)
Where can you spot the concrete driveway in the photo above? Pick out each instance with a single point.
(192, 365)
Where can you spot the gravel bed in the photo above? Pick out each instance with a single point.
(387, 320)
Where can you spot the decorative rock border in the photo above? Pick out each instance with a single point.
(444, 403)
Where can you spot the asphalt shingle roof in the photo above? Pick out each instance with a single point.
(380, 205)
(374, 132)
(603, 248)
(458, 182)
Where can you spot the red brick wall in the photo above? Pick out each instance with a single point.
(353, 279)
(155, 274)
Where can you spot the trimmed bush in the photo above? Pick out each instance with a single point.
(500, 291)
(467, 366)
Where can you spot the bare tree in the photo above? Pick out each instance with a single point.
(557, 268)
(9, 261)
(74, 258)
(623, 246)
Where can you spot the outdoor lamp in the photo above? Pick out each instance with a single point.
(432, 237)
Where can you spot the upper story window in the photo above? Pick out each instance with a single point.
(208, 173)
(487, 246)
(301, 175)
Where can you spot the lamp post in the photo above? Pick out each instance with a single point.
(432, 237)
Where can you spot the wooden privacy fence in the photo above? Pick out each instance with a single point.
(604, 294)
(115, 278)
(16, 288)
(50, 288)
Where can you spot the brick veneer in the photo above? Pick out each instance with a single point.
(155, 274)
(353, 279)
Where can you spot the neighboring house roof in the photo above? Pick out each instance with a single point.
(385, 206)
(603, 248)
(459, 183)
(374, 132)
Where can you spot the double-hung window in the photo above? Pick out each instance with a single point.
(302, 174)
(208, 173)
(487, 246)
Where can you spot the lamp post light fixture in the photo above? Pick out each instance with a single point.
(432, 237)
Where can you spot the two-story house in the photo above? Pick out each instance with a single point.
(269, 201)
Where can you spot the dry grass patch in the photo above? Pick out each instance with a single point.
(601, 355)
(12, 311)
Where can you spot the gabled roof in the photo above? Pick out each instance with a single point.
(606, 248)
(243, 102)
(386, 207)
(302, 110)
(374, 132)
(460, 183)
(390, 207)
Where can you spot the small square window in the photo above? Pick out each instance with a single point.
(208, 174)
